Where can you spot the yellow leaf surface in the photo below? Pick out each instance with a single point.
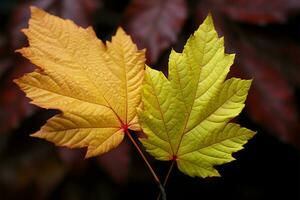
(185, 117)
(95, 85)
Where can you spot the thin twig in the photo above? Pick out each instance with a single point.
(166, 179)
(161, 187)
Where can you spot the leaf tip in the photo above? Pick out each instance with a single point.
(35, 10)
(91, 31)
(209, 19)
(37, 134)
(25, 52)
(249, 81)
(120, 33)
(88, 155)
(92, 152)
(120, 30)
(20, 82)
(252, 134)
(17, 81)
(19, 50)
(25, 31)
(217, 174)
(231, 56)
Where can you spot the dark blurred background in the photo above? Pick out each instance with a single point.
(265, 35)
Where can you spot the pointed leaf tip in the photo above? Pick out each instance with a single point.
(209, 18)
(120, 30)
(35, 11)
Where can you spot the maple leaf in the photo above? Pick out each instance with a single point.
(186, 117)
(96, 86)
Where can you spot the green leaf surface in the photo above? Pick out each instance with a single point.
(186, 117)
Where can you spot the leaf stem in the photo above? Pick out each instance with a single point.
(161, 187)
(169, 172)
(167, 177)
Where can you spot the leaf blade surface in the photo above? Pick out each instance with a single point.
(95, 85)
(196, 106)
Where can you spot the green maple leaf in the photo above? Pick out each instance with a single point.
(186, 117)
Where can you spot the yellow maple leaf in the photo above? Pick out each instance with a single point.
(95, 85)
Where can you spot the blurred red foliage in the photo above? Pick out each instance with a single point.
(155, 24)
(257, 11)
(264, 34)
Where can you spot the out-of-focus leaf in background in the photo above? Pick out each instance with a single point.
(14, 107)
(271, 96)
(116, 162)
(257, 11)
(155, 24)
